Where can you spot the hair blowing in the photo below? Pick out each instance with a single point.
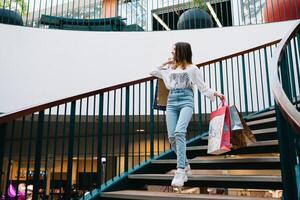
(183, 55)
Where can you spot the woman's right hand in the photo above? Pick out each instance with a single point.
(221, 96)
(168, 62)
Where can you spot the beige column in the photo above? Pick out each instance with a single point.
(48, 174)
(74, 169)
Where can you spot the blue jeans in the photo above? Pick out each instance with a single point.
(179, 111)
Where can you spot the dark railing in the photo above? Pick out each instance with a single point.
(285, 72)
(147, 15)
(73, 145)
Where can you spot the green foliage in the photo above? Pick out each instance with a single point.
(200, 4)
(14, 5)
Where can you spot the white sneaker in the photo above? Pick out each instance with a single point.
(179, 178)
(188, 170)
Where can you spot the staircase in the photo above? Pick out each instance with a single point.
(254, 167)
(111, 144)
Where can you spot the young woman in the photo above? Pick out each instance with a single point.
(180, 76)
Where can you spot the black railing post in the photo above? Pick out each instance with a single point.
(151, 119)
(126, 130)
(38, 155)
(245, 84)
(100, 133)
(221, 77)
(268, 77)
(70, 151)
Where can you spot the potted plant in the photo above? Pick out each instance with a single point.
(12, 11)
(196, 17)
(15, 5)
(200, 4)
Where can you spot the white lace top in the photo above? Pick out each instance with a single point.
(187, 78)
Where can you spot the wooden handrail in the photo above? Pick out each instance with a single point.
(36, 108)
(287, 108)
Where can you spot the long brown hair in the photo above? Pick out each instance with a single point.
(183, 55)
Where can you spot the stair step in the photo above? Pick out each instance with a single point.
(147, 195)
(209, 177)
(222, 181)
(261, 121)
(257, 116)
(257, 144)
(222, 160)
(221, 163)
(257, 132)
(263, 131)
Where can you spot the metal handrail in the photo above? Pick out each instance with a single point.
(286, 107)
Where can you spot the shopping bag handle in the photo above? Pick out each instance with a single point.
(222, 103)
